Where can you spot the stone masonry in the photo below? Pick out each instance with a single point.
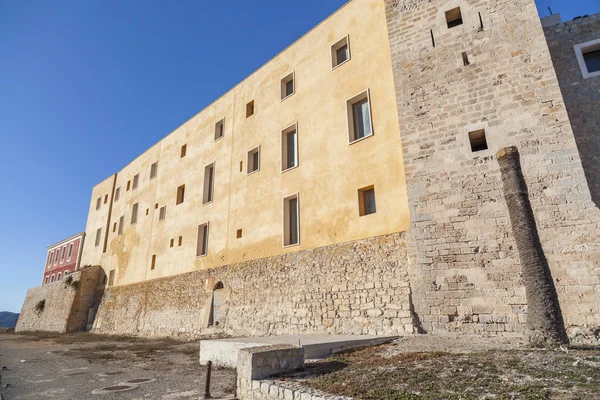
(492, 72)
(66, 305)
(357, 287)
(582, 96)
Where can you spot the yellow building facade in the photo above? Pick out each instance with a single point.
(322, 117)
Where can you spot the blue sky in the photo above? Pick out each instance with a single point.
(86, 86)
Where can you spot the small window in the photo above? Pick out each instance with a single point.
(117, 194)
(56, 255)
(172, 243)
(183, 151)
(50, 257)
(98, 238)
(253, 160)
(340, 52)
(111, 277)
(180, 194)
(162, 213)
(180, 241)
(156, 206)
(478, 140)
(238, 234)
(58, 277)
(136, 181)
(128, 186)
(289, 148)
(250, 109)
(114, 227)
(153, 170)
(359, 117)
(98, 203)
(134, 213)
(588, 57)
(64, 250)
(454, 17)
(209, 172)
(105, 198)
(47, 279)
(147, 211)
(219, 129)
(287, 86)
(202, 243)
(366, 201)
(121, 223)
(70, 251)
(52, 278)
(153, 265)
(291, 221)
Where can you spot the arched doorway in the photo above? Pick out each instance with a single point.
(217, 308)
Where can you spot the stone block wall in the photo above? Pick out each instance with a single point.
(492, 72)
(582, 96)
(66, 305)
(357, 287)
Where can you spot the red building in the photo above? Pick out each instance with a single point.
(63, 258)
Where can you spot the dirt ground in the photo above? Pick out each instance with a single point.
(450, 368)
(78, 366)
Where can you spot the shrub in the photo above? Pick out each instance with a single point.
(39, 307)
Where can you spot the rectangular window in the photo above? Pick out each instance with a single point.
(105, 198)
(254, 160)
(70, 251)
(250, 109)
(117, 194)
(111, 277)
(219, 129)
(287, 86)
(56, 253)
(291, 221)
(359, 116)
(58, 277)
(134, 213)
(153, 170)
(128, 186)
(454, 17)
(136, 181)
(98, 203)
(180, 194)
(209, 175)
(98, 237)
(63, 252)
(202, 243)
(183, 151)
(289, 148)
(162, 213)
(121, 223)
(588, 57)
(50, 257)
(366, 201)
(47, 278)
(52, 278)
(478, 140)
(340, 52)
(180, 241)
(153, 265)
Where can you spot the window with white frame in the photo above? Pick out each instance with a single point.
(52, 278)
(220, 129)
(202, 241)
(162, 213)
(287, 86)
(588, 57)
(340, 52)
(63, 252)
(358, 108)
(291, 221)
(253, 160)
(56, 256)
(289, 147)
(70, 251)
(50, 257)
(58, 277)
(209, 183)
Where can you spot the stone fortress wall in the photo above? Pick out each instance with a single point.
(494, 73)
(581, 95)
(357, 287)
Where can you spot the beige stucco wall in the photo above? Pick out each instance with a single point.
(329, 174)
